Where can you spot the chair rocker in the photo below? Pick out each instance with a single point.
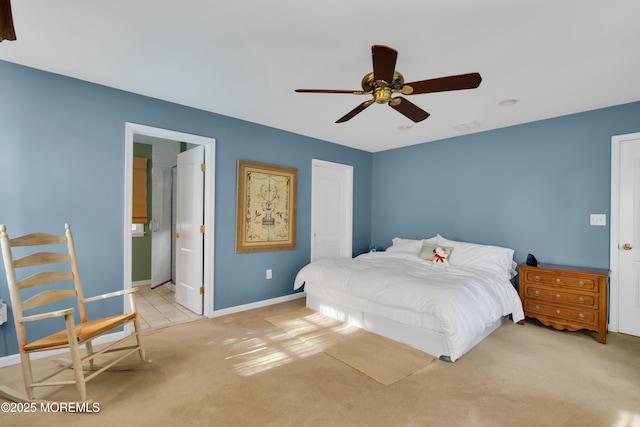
(56, 286)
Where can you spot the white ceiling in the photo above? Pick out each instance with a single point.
(245, 58)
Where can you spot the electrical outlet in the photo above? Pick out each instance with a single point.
(269, 273)
(598, 219)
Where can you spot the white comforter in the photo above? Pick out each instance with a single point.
(466, 300)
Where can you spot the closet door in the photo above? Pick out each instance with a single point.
(331, 210)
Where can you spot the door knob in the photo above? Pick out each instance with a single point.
(627, 246)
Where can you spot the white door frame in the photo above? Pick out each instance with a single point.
(348, 214)
(614, 257)
(132, 129)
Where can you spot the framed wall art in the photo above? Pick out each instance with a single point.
(266, 211)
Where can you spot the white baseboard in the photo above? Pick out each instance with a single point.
(140, 283)
(259, 304)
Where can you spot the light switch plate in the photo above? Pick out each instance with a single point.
(598, 219)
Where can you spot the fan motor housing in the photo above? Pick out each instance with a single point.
(380, 89)
(369, 84)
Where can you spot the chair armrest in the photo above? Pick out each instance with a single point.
(111, 294)
(47, 315)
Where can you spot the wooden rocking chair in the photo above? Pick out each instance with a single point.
(74, 335)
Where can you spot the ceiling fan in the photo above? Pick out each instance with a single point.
(385, 81)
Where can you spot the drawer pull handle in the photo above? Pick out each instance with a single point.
(558, 311)
(580, 300)
(581, 284)
(581, 316)
(558, 280)
(537, 293)
(558, 296)
(537, 308)
(537, 278)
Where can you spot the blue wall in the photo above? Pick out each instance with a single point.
(62, 160)
(530, 187)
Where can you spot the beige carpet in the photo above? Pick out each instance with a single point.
(240, 370)
(382, 359)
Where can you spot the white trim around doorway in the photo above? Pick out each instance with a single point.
(132, 129)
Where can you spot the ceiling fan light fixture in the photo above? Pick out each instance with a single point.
(7, 32)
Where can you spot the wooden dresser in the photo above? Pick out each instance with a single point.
(565, 297)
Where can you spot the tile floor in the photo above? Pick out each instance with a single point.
(158, 308)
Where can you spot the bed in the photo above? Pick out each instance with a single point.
(437, 295)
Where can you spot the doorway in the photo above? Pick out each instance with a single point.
(624, 296)
(161, 228)
(331, 210)
(134, 133)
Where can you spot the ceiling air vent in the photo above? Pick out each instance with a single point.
(467, 126)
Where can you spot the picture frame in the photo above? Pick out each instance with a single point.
(266, 207)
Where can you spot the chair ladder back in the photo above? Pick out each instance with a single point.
(36, 239)
(44, 278)
(40, 258)
(37, 279)
(16, 304)
(47, 297)
(76, 274)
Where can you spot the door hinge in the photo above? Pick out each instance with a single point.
(203, 167)
(201, 290)
(202, 228)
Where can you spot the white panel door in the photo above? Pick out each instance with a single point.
(190, 239)
(331, 210)
(629, 238)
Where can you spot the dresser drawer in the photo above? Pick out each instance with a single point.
(570, 314)
(558, 295)
(569, 281)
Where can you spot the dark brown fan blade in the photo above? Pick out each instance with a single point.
(354, 92)
(384, 62)
(355, 111)
(7, 32)
(442, 84)
(409, 109)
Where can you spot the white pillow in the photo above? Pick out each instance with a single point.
(408, 245)
(487, 257)
(428, 250)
